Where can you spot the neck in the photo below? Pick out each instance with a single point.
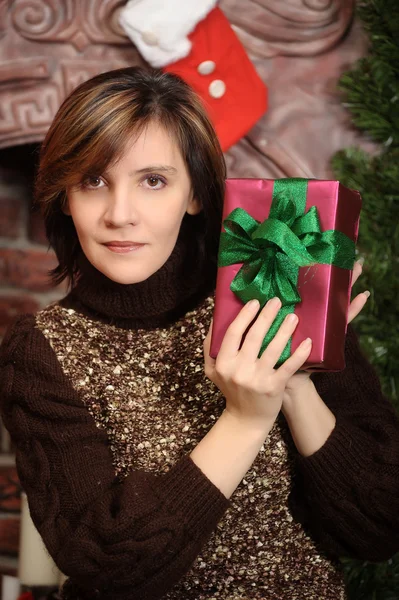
(178, 286)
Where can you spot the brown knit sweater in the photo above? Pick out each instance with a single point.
(105, 400)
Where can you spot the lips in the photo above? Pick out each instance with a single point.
(123, 247)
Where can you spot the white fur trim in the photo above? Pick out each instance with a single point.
(166, 24)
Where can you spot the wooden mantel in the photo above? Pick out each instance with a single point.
(299, 48)
(48, 47)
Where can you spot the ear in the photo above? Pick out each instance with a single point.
(194, 206)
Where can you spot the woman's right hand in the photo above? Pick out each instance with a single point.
(253, 388)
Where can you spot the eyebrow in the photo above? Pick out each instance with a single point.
(156, 168)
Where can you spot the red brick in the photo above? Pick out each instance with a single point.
(12, 306)
(27, 269)
(10, 507)
(10, 490)
(36, 230)
(10, 216)
(9, 536)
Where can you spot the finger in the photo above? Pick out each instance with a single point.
(357, 271)
(255, 336)
(273, 351)
(294, 362)
(357, 305)
(233, 337)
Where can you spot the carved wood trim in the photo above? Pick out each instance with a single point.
(47, 48)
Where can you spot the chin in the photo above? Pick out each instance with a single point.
(129, 272)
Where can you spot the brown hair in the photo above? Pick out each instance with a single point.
(89, 133)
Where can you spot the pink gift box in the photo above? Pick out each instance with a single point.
(324, 289)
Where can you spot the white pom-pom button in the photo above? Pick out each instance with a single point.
(217, 88)
(207, 67)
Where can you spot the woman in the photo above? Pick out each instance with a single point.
(129, 455)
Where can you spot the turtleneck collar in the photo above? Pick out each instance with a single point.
(174, 289)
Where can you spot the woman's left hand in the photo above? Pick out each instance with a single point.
(299, 381)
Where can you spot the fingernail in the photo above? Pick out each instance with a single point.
(361, 261)
(274, 301)
(367, 293)
(306, 343)
(252, 304)
(292, 318)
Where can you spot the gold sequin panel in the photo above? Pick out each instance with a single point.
(148, 390)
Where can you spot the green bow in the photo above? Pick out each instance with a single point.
(273, 251)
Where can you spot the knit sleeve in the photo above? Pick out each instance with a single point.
(130, 539)
(347, 493)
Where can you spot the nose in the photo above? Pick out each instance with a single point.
(121, 209)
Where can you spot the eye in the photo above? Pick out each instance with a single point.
(93, 183)
(154, 182)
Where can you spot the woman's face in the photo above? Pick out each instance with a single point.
(128, 219)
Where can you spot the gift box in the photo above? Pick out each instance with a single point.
(295, 239)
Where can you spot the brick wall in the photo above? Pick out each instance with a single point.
(24, 257)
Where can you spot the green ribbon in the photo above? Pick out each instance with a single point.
(273, 251)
